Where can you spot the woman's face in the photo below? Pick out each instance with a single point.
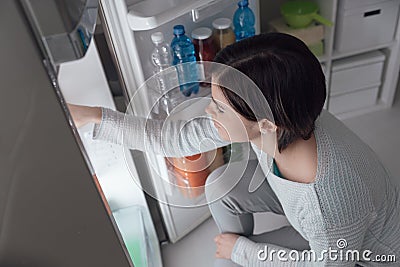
(231, 126)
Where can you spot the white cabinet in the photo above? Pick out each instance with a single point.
(356, 72)
(366, 25)
(348, 93)
(352, 101)
(370, 85)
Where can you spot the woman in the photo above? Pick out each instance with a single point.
(331, 187)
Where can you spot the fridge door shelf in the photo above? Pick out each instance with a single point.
(150, 14)
(133, 223)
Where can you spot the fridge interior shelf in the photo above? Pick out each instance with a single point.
(150, 14)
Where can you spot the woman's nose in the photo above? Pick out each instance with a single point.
(209, 109)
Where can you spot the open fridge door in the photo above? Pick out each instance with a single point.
(53, 211)
(83, 82)
(77, 75)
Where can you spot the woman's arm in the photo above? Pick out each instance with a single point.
(168, 138)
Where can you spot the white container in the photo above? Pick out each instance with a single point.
(347, 4)
(354, 100)
(357, 72)
(365, 26)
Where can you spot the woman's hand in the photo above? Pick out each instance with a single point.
(83, 115)
(225, 244)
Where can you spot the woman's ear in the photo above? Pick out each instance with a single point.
(267, 126)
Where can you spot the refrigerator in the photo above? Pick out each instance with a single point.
(129, 25)
(174, 210)
(134, 193)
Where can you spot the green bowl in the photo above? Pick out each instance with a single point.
(300, 14)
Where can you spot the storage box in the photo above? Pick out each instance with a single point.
(365, 24)
(348, 4)
(355, 82)
(357, 72)
(354, 100)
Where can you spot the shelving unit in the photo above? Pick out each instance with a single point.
(330, 10)
(340, 55)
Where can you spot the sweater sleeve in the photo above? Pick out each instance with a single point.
(325, 249)
(168, 138)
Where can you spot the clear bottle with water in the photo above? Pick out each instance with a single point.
(243, 21)
(161, 59)
(183, 52)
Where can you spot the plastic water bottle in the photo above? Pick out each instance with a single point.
(183, 52)
(243, 21)
(161, 59)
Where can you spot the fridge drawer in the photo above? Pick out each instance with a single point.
(357, 72)
(352, 101)
(366, 26)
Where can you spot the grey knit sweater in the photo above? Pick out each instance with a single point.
(352, 205)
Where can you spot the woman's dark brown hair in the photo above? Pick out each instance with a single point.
(289, 76)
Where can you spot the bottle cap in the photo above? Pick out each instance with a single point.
(243, 3)
(222, 23)
(201, 33)
(179, 30)
(157, 37)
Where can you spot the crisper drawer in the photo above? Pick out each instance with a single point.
(357, 72)
(354, 100)
(366, 26)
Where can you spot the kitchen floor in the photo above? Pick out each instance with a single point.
(381, 130)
